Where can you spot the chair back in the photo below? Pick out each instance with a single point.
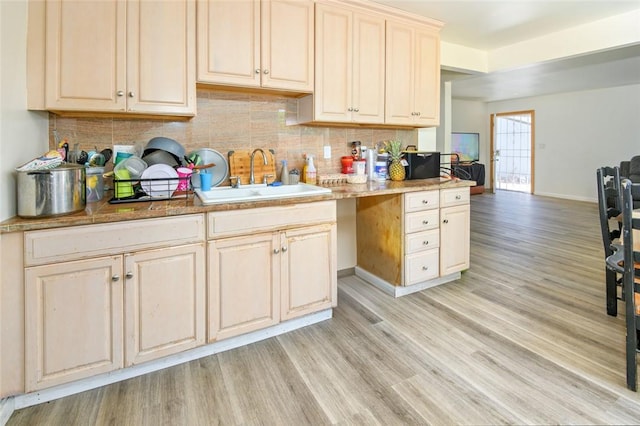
(609, 204)
(631, 277)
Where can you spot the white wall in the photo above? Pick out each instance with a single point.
(576, 133)
(23, 134)
(472, 117)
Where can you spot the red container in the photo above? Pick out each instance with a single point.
(347, 164)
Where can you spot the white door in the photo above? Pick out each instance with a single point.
(512, 142)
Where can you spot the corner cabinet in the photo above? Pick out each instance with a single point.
(412, 74)
(267, 265)
(113, 56)
(257, 43)
(102, 297)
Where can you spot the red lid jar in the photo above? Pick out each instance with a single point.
(347, 164)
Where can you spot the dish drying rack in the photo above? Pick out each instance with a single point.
(160, 185)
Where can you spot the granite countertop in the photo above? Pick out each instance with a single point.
(104, 212)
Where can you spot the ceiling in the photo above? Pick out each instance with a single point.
(488, 25)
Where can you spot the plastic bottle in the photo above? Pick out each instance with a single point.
(284, 174)
(310, 174)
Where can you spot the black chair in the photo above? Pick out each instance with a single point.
(610, 207)
(627, 260)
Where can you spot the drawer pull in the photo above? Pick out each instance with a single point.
(276, 251)
(115, 278)
(129, 275)
(425, 243)
(425, 222)
(445, 221)
(284, 249)
(425, 268)
(458, 197)
(425, 201)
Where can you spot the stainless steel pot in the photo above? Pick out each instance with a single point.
(51, 192)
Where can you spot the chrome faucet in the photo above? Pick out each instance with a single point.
(252, 178)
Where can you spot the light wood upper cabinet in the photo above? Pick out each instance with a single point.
(349, 67)
(412, 75)
(115, 56)
(257, 43)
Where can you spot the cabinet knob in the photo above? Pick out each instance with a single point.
(131, 94)
(418, 113)
(425, 222)
(115, 278)
(425, 268)
(120, 93)
(284, 249)
(458, 197)
(350, 109)
(257, 70)
(445, 221)
(276, 251)
(356, 109)
(266, 71)
(425, 243)
(425, 201)
(129, 275)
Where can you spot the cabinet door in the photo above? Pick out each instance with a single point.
(287, 40)
(455, 233)
(161, 57)
(334, 65)
(73, 321)
(164, 302)
(309, 270)
(85, 59)
(229, 42)
(368, 68)
(427, 77)
(399, 108)
(244, 284)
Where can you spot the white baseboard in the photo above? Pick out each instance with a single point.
(7, 407)
(399, 291)
(60, 391)
(566, 197)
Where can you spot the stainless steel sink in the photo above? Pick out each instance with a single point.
(258, 192)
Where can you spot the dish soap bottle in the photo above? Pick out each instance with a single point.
(310, 173)
(284, 174)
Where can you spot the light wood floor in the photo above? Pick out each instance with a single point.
(522, 338)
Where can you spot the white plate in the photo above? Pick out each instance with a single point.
(220, 172)
(160, 188)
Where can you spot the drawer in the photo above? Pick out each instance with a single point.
(454, 197)
(421, 266)
(422, 200)
(421, 221)
(81, 242)
(248, 221)
(420, 241)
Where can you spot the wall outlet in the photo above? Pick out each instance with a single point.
(327, 152)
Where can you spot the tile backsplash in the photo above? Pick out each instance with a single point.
(231, 121)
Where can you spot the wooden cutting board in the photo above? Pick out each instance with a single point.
(240, 165)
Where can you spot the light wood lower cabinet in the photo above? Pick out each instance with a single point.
(73, 321)
(309, 270)
(455, 229)
(164, 302)
(95, 314)
(243, 285)
(282, 270)
(410, 239)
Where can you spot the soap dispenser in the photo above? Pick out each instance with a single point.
(284, 174)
